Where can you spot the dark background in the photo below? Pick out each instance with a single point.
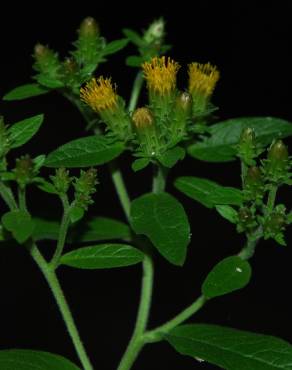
(250, 43)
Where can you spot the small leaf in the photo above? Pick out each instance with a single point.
(102, 256)
(45, 229)
(207, 192)
(139, 164)
(19, 223)
(172, 156)
(20, 359)
(24, 92)
(134, 37)
(228, 213)
(76, 213)
(231, 349)
(221, 145)
(114, 46)
(84, 152)
(24, 130)
(163, 220)
(49, 82)
(134, 61)
(228, 275)
(45, 186)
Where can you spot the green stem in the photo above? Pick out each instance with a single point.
(159, 179)
(156, 335)
(137, 86)
(137, 341)
(120, 188)
(249, 249)
(22, 198)
(7, 196)
(58, 294)
(272, 198)
(62, 233)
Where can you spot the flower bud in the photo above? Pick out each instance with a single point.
(89, 27)
(85, 187)
(155, 32)
(277, 164)
(145, 128)
(246, 220)
(253, 183)
(61, 180)
(246, 149)
(24, 170)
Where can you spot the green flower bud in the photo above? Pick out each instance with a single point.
(47, 64)
(246, 149)
(145, 128)
(276, 166)
(181, 115)
(155, 32)
(246, 220)
(61, 180)
(24, 170)
(85, 186)
(254, 184)
(275, 225)
(89, 27)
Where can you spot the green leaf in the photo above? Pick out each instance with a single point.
(50, 82)
(45, 229)
(24, 130)
(134, 61)
(228, 275)
(96, 229)
(139, 164)
(24, 92)
(19, 359)
(134, 37)
(228, 213)
(100, 228)
(221, 145)
(171, 156)
(102, 256)
(19, 223)
(163, 220)
(84, 152)
(45, 186)
(207, 192)
(114, 46)
(231, 349)
(76, 214)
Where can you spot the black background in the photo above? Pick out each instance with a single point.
(250, 43)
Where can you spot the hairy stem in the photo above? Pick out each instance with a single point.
(159, 179)
(272, 198)
(136, 343)
(62, 233)
(252, 240)
(7, 196)
(120, 188)
(58, 294)
(136, 90)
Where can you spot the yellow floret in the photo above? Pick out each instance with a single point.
(203, 78)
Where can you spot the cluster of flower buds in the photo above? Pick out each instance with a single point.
(61, 181)
(85, 187)
(169, 117)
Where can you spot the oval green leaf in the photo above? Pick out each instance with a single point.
(228, 275)
(24, 130)
(19, 223)
(84, 152)
(20, 359)
(102, 256)
(231, 349)
(220, 146)
(207, 192)
(24, 92)
(163, 220)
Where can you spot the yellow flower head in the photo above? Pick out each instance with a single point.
(160, 74)
(203, 78)
(99, 94)
(142, 118)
